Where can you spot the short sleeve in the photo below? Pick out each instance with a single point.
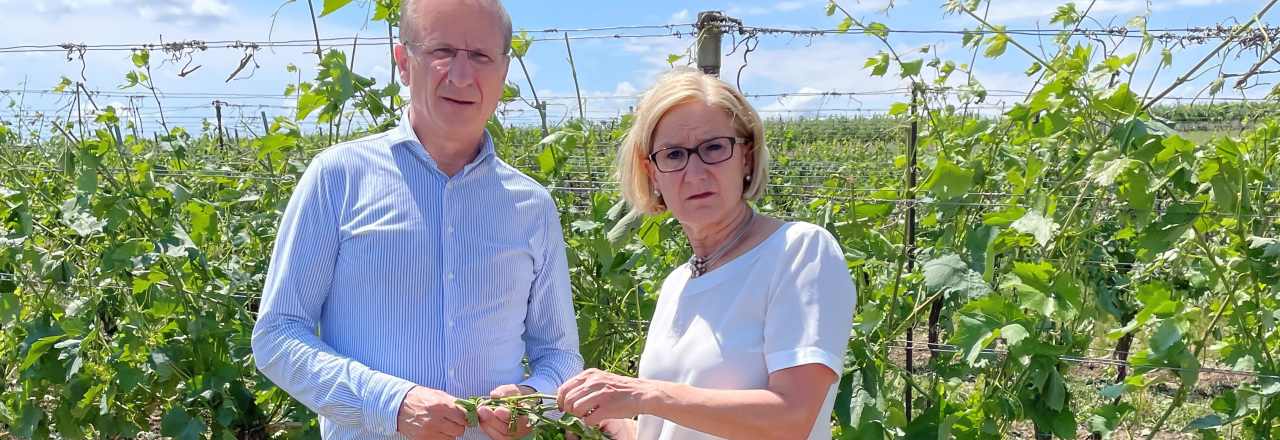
(811, 304)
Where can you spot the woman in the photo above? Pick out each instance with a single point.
(749, 337)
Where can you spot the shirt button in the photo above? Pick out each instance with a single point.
(451, 276)
(451, 229)
(450, 324)
(450, 372)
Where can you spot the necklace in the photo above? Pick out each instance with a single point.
(699, 264)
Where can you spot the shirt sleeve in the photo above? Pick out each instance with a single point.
(551, 333)
(285, 345)
(811, 306)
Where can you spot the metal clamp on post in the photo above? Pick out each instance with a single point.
(711, 25)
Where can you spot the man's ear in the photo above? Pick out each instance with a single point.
(401, 54)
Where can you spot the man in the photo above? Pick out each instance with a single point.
(429, 266)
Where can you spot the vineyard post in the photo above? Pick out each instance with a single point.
(935, 312)
(133, 111)
(217, 110)
(115, 131)
(265, 126)
(709, 42)
(582, 115)
(911, 236)
(237, 132)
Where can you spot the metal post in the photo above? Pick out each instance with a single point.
(709, 41)
(911, 237)
(217, 109)
(265, 126)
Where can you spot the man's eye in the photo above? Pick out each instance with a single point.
(480, 58)
(443, 53)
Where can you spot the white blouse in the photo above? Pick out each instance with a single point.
(787, 302)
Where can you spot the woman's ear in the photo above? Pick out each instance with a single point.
(749, 158)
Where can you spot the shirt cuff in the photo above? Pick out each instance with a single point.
(802, 356)
(543, 386)
(383, 397)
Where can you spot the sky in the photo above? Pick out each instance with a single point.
(612, 72)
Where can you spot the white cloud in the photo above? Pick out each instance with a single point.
(1194, 3)
(788, 105)
(789, 6)
(679, 17)
(185, 12)
(185, 99)
(1043, 10)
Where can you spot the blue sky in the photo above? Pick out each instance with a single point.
(611, 71)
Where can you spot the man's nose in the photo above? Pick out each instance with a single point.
(461, 72)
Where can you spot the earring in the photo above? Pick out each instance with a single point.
(748, 177)
(656, 193)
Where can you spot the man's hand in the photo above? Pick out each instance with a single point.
(427, 414)
(495, 421)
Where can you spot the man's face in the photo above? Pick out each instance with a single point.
(456, 66)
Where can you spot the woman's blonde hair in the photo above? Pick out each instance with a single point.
(682, 86)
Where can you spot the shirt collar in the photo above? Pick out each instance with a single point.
(404, 134)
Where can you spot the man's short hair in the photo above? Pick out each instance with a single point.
(409, 20)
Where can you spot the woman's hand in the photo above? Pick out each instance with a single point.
(619, 429)
(597, 396)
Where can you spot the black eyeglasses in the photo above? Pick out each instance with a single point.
(710, 151)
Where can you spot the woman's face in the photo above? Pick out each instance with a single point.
(699, 194)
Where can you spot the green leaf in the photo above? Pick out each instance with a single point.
(181, 426)
(1035, 224)
(1107, 175)
(1166, 335)
(912, 67)
(880, 63)
(29, 419)
(333, 5)
(1212, 421)
(520, 44)
(1013, 334)
(671, 59)
(877, 30)
(948, 180)
(996, 44)
(10, 308)
(898, 109)
(1270, 246)
(1004, 218)
(973, 333)
(951, 273)
(844, 25)
(1031, 299)
(1035, 275)
(39, 348)
(141, 58)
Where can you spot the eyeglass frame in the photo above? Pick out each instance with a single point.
(694, 151)
(494, 58)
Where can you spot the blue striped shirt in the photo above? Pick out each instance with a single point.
(413, 277)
